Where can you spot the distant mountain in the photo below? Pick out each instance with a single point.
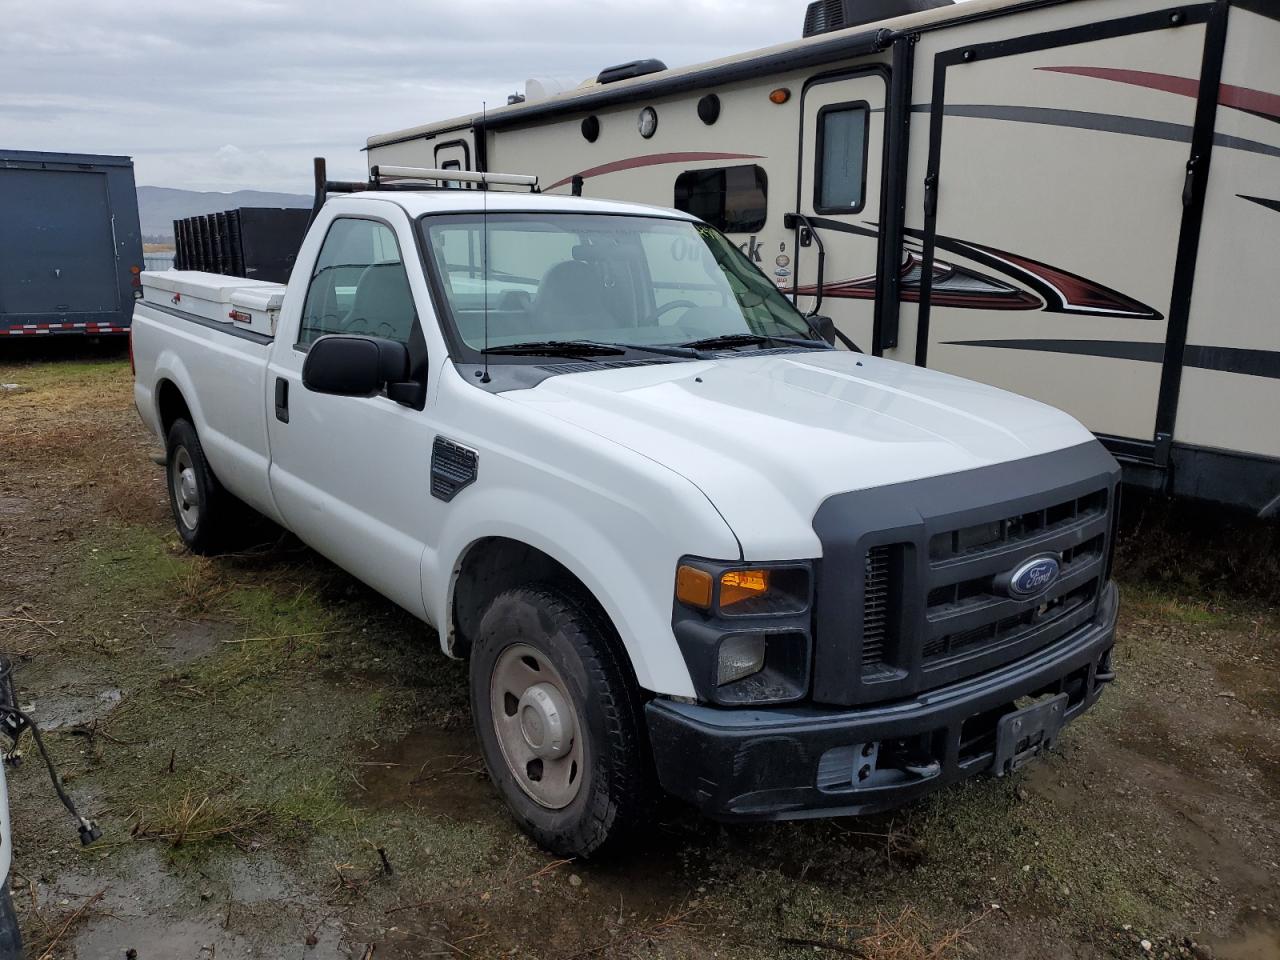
(158, 207)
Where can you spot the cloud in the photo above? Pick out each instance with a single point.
(242, 93)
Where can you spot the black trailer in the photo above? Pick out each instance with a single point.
(70, 244)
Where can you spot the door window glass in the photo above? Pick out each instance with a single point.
(840, 183)
(359, 285)
(731, 199)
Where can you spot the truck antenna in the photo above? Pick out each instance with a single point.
(484, 216)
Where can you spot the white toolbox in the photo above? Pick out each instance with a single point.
(237, 302)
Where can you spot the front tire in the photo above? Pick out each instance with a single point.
(207, 517)
(10, 935)
(559, 720)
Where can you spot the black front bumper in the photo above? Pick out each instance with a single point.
(793, 762)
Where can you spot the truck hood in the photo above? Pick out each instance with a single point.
(767, 437)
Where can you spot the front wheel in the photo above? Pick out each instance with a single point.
(10, 935)
(559, 720)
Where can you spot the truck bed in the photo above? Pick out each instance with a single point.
(194, 328)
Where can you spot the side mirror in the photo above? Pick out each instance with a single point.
(825, 327)
(354, 366)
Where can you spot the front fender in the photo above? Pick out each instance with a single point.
(626, 559)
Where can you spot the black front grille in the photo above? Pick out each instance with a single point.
(913, 589)
(968, 617)
(1011, 628)
(875, 607)
(983, 537)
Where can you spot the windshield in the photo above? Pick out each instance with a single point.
(630, 281)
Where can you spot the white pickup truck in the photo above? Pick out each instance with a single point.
(679, 536)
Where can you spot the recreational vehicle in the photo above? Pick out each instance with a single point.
(1077, 200)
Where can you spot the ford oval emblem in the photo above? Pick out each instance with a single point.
(1033, 577)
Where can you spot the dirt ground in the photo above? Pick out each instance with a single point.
(282, 762)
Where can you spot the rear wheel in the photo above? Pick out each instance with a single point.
(559, 720)
(208, 518)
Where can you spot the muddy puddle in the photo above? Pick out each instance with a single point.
(191, 641)
(1257, 944)
(14, 506)
(437, 770)
(74, 705)
(249, 908)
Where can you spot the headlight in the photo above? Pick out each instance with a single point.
(744, 591)
(744, 629)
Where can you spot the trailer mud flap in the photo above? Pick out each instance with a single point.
(1024, 734)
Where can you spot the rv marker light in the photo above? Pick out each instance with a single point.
(780, 95)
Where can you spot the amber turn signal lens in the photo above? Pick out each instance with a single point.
(693, 586)
(739, 585)
(780, 95)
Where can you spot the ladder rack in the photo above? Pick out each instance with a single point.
(384, 177)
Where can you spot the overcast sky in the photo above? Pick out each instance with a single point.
(231, 94)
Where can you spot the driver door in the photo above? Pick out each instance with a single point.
(350, 475)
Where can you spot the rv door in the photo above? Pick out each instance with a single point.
(841, 155)
(453, 155)
(1053, 211)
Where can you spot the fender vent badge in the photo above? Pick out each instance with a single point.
(453, 467)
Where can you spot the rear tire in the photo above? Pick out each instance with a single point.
(549, 691)
(208, 518)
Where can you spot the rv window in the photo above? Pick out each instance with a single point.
(731, 199)
(359, 285)
(452, 165)
(841, 157)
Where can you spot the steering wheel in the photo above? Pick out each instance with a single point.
(687, 304)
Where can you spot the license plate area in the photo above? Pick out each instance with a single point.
(1024, 734)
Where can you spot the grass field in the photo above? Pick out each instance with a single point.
(282, 762)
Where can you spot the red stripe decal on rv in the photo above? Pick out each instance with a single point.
(1229, 95)
(653, 160)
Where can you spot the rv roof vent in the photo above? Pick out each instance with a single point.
(823, 16)
(625, 71)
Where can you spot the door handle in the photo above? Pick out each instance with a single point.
(282, 399)
(1189, 182)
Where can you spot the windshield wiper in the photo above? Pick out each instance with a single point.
(588, 348)
(752, 339)
(558, 348)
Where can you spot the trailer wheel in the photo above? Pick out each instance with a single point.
(559, 721)
(206, 515)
